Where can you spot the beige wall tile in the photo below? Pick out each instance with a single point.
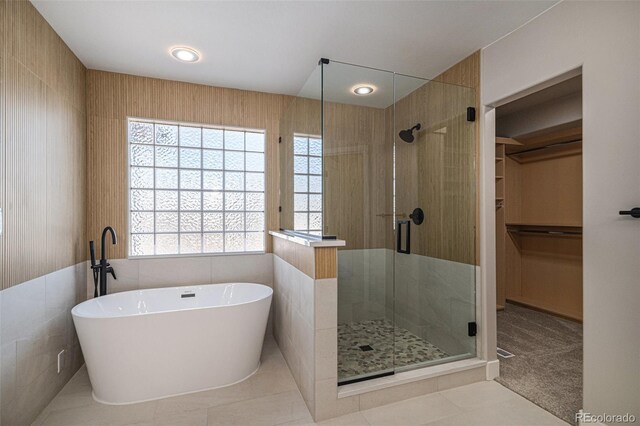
(293, 324)
(326, 303)
(327, 354)
(36, 326)
(306, 302)
(328, 404)
(174, 271)
(251, 268)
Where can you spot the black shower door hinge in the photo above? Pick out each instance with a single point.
(280, 209)
(473, 329)
(279, 139)
(471, 114)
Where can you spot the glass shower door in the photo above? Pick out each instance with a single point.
(435, 228)
(358, 164)
(398, 185)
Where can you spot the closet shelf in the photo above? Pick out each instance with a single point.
(543, 225)
(560, 149)
(546, 230)
(507, 141)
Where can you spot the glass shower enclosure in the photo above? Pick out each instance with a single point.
(386, 162)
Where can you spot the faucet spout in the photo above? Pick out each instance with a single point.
(114, 239)
(105, 268)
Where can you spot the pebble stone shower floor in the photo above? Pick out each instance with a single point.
(391, 347)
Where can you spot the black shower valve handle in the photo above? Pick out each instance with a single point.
(634, 212)
(417, 215)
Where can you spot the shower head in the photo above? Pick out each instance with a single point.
(407, 135)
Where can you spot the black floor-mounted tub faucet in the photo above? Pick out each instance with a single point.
(103, 268)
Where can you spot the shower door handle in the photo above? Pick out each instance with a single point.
(407, 249)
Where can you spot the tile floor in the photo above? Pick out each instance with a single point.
(390, 347)
(271, 397)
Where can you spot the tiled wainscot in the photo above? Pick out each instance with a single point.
(305, 327)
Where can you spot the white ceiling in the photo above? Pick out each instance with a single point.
(273, 46)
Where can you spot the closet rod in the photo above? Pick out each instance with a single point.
(553, 145)
(549, 233)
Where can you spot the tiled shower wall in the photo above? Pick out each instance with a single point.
(434, 298)
(366, 285)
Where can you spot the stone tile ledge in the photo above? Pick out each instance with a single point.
(309, 241)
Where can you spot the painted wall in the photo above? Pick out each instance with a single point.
(556, 112)
(43, 198)
(604, 39)
(111, 98)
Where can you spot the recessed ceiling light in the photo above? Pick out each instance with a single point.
(363, 90)
(185, 54)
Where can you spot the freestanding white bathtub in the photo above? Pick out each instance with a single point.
(149, 344)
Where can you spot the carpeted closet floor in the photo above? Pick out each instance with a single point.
(547, 366)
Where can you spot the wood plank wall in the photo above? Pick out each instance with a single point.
(302, 116)
(355, 173)
(42, 148)
(545, 191)
(315, 262)
(112, 98)
(437, 171)
(467, 73)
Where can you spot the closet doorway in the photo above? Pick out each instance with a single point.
(539, 179)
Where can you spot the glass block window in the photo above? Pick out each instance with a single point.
(195, 189)
(307, 184)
